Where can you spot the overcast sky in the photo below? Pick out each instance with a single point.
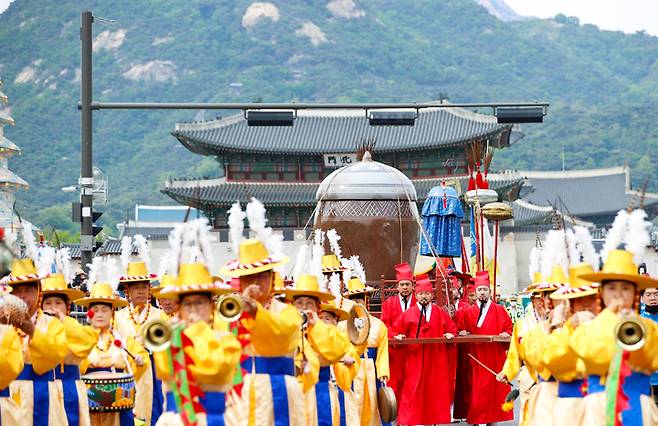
(624, 15)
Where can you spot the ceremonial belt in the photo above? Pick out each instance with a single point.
(323, 397)
(158, 398)
(634, 386)
(40, 393)
(550, 379)
(104, 369)
(573, 389)
(277, 368)
(594, 384)
(213, 402)
(69, 375)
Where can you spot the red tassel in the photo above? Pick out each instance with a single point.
(445, 200)
(117, 343)
(479, 180)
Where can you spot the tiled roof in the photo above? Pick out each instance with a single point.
(9, 177)
(74, 250)
(7, 144)
(530, 214)
(5, 118)
(151, 233)
(214, 193)
(338, 131)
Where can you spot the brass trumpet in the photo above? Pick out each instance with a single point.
(230, 307)
(630, 333)
(156, 335)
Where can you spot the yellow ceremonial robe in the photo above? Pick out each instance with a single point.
(594, 342)
(270, 387)
(144, 404)
(105, 355)
(80, 341)
(11, 356)
(215, 354)
(542, 396)
(374, 366)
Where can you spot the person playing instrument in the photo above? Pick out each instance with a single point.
(487, 318)
(114, 355)
(392, 310)
(214, 351)
(374, 372)
(427, 387)
(11, 354)
(32, 396)
(136, 283)
(272, 330)
(595, 341)
(328, 344)
(342, 372)
(80, 339)
(649, 299)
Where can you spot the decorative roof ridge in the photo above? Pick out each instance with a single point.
(193, 183)
(574, 174)
(208, 124)
(469, 115)
(528, 205)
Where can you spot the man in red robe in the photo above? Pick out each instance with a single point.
(487, 318)
(427, 389)
(392, 310)
(463, 374)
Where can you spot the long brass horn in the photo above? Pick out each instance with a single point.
(230, 307)
(157, 335)
(630, 333)
(358, 325)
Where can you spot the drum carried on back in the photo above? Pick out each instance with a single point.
(110, 392)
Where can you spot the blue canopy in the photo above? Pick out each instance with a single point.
(442, 215)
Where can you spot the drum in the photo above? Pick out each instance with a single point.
(108, 392)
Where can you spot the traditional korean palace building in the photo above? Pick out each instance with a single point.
(283, 166)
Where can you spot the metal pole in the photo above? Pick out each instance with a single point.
(86, 172)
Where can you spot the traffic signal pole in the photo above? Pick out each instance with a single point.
(86, 160)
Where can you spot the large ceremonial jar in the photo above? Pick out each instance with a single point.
(372, 206)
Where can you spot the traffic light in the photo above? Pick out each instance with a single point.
(96, 229)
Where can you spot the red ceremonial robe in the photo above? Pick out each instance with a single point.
(463, 371)
(427, 388)
(391, 312)
(488, 394)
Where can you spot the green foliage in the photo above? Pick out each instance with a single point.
(602, 85)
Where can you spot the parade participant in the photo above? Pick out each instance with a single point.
(80, 339)
(114, 353)
(463, 378)
(487, 318)
(136, 284)
(214, 352)
(271, 394)
(169, 306)
(515, 362)
(427, 387)
(595, 341)
(649, 298)
(392, 310)
(11, 355)
(33, 400)
(328, 344)
(374, 372)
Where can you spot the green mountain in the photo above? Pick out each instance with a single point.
(602, 85)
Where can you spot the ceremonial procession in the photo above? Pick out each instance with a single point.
(334, 262)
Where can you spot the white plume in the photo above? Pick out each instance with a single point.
(143, 250)
(637, 238)
(204, 243)
(554, 252)
(10, 240)
(30, 241)
(586, 247)
(45, 260)
(63, 261)
(535, 262)
(94, 272)
(334, 238)
(334, 287)
(112, 273)
(236, 226)
(126, 251)
(165, 263)
(574, 254)
(257, 222)
(616, 234)
(175, 247)
(357, 269)
(189, 248)
(301, 262)
(315, 266)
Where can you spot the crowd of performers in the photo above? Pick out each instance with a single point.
(254, 351)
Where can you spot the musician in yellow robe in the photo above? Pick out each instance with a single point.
(215, 351)
(80, 341)
(129, 321)
(595, 344)
(328, 344)
(342, 372)
(168, 305)
(374, 371)
(559, 358)
(34, 399)
(11, 355)
(114, 354)
(271, 393)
